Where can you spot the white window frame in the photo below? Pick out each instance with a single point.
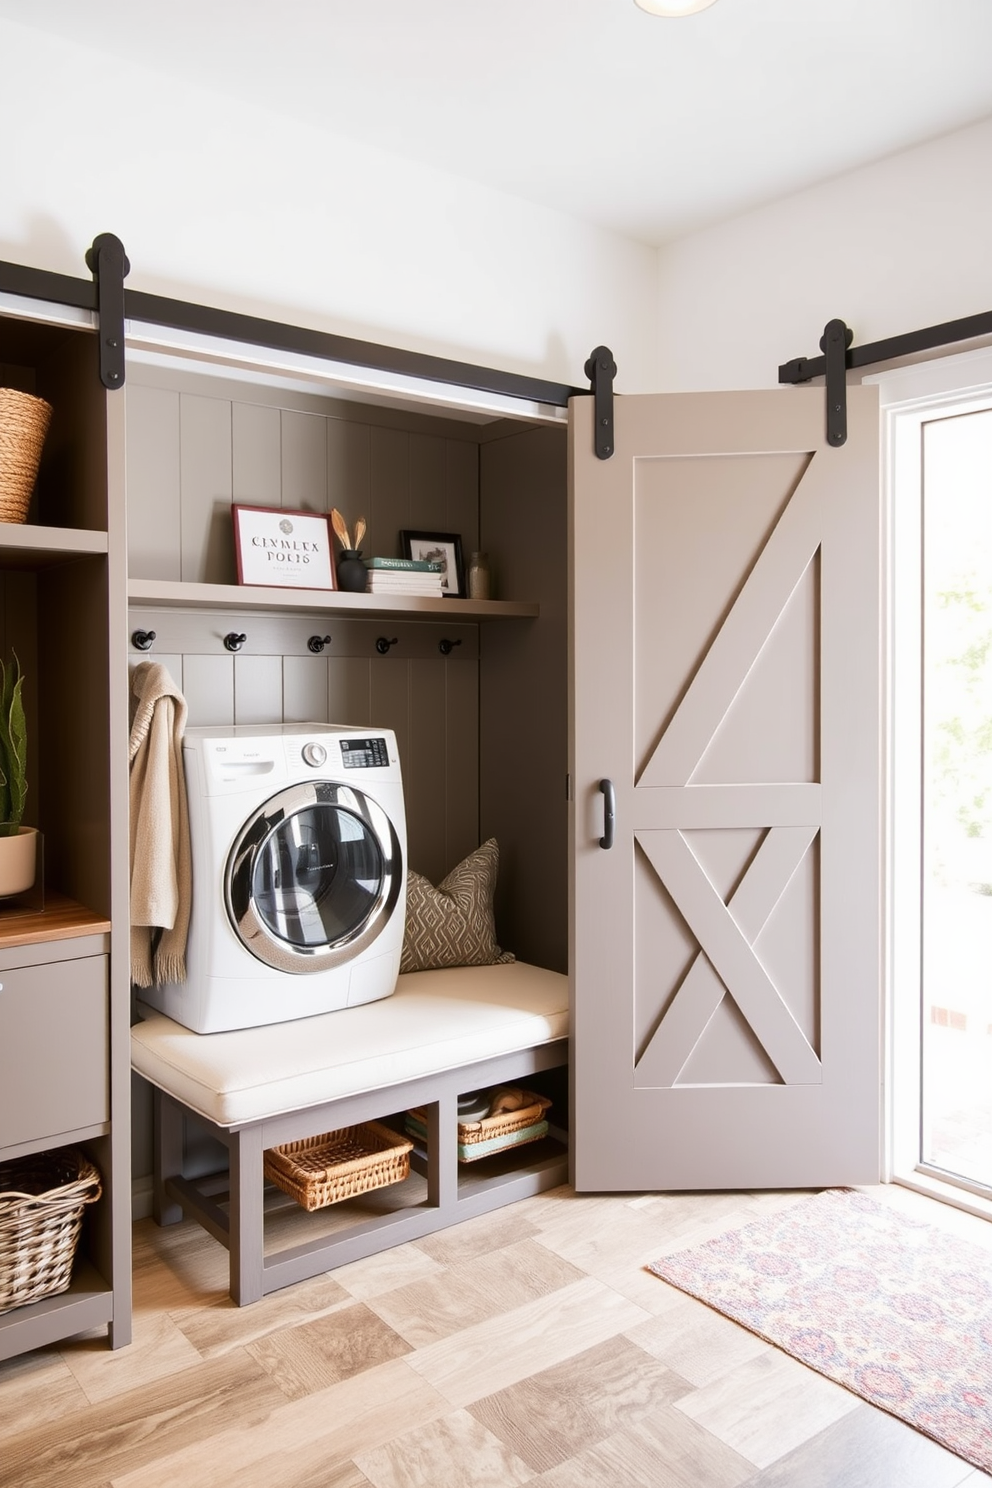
(944, 387)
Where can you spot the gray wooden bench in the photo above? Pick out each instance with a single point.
(441, 1034)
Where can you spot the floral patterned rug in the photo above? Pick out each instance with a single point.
(896, 1310)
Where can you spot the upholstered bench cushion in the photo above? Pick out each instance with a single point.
(434, 1021)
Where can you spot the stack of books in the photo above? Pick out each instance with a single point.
(403, 576)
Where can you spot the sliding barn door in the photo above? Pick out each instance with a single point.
(726, 694)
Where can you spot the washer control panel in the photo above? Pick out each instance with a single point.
(314, 755)
(362, 754)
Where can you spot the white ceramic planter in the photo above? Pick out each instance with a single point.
(18, 856)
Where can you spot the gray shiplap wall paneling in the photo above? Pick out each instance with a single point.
(256, 439)
(153, 483)
(461, 755)
(461, 513)
(389, 695)
(426, 810)
(208, 686)
(390, 504)
(428, 483)
(524, 694)
(349, 691)
(206, 490)
(304, 461)
(190, 453)
(349, 476)
(304, 688)
(258, 689)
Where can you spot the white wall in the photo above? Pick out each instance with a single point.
(243, 209)
(892, 247)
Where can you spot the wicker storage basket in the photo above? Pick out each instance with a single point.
(42, 1199)
(339, 1165)
(24, 422)
(480, 1138)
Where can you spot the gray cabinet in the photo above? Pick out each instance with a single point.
(54, 1048)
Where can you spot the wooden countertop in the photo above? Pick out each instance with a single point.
(60, 919)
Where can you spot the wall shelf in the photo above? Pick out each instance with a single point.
(169, 593)
(26, 545)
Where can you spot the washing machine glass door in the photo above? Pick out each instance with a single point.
(313, 877)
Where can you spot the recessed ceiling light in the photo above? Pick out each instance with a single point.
(673, 7)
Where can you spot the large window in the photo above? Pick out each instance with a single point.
(938, 422)
(956, 789)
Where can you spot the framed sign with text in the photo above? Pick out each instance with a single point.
(283, 549)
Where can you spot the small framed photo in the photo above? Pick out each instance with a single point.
(438, 547)
(283, 549)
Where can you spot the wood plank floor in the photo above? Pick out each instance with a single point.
(525, 1347)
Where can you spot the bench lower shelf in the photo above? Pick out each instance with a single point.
(440, 1191)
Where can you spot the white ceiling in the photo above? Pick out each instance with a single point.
(648, 127)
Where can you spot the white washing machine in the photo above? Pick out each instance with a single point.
(298, 836)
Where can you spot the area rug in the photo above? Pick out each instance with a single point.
(896, 1310)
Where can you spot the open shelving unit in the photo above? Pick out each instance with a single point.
(64, 1005)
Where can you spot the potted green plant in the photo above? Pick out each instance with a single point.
(18, 844)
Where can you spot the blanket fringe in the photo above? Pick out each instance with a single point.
(170, 968)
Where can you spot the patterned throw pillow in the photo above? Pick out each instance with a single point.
(453, 924)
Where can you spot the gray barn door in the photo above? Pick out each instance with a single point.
(725, 678)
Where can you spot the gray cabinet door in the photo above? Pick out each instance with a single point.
(725, 678)
(54, 1050)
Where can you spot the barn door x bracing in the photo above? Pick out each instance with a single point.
(725, 681)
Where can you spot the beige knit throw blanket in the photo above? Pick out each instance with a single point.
(161, 875)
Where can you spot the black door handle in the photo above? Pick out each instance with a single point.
(609, 813)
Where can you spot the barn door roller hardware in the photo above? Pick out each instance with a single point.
(839, 355)
(108, 264)
(601, 370)
(833, 364)
(834, 342)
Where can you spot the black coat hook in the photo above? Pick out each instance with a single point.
(317, 643)
(141, 640)
(446, 647)
(382, 645)
(233, 641)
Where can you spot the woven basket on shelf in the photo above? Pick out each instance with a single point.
(478, 1139)
(24, 422)
(339, 1164)
(42, 1199)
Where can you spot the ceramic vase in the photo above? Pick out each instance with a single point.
(18, 857)
(352, 573)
